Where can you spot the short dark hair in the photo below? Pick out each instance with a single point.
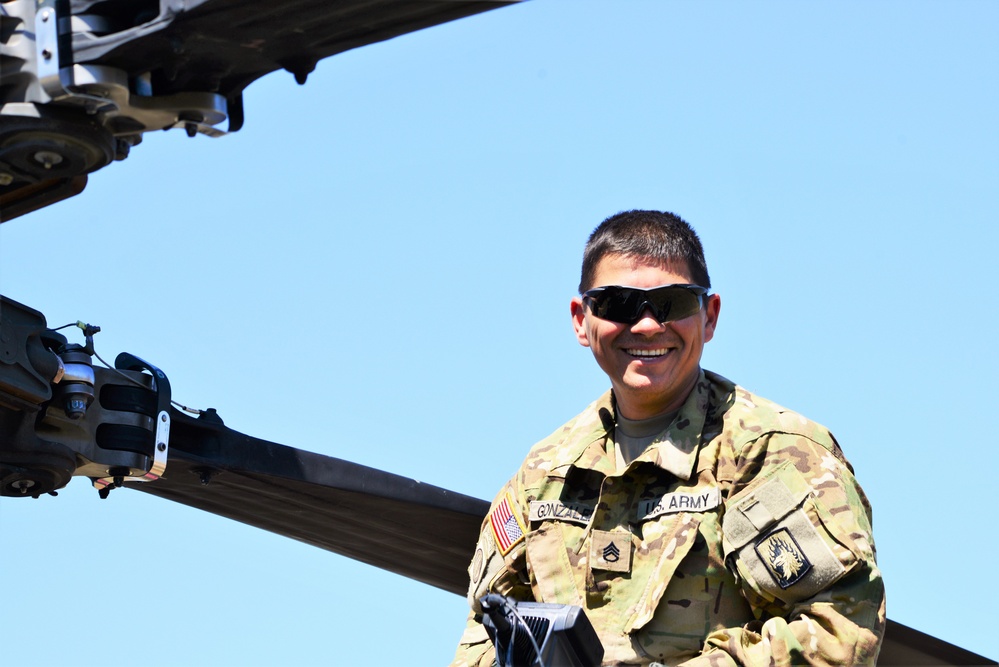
(659, 236)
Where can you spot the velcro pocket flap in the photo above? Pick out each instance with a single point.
(750, 512)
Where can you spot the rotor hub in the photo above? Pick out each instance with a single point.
(33, 150)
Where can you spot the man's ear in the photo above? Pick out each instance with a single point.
(712, 310)
(579, 320)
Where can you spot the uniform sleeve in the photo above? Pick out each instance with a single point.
(474, 649)
(797, 538)
(498, 566)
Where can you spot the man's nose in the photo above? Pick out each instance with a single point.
(647, 324)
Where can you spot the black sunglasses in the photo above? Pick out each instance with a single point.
(625, 305)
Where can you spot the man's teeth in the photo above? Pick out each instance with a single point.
(648, 353)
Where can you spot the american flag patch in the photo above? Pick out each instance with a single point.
(507, 527)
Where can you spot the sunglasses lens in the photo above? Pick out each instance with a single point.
(625, 305)
(675, 303)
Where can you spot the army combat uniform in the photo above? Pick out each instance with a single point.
(740, 536)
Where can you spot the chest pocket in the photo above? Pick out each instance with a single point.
(783, 542)
(555, 569)
(665, 544)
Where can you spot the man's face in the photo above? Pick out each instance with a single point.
(652, 367)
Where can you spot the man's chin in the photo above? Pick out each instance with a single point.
(651, 378)
(646, 389)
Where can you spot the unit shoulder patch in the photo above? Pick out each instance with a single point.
(783, 557)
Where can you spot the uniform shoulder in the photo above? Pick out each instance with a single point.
(565, 444)
(748, 416)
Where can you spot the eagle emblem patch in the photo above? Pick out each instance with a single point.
(783, 558)
(507, 527)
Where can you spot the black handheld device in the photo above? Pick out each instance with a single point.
(534, 634)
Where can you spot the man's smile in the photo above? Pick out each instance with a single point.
(657, 352)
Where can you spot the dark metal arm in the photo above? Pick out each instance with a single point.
(61, 417)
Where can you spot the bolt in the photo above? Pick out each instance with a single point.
(5, 178)
(47, 158)
(191, 128)
(75, 408)
(46, 15)
(47, 54)
(161, 446)
(163, 418)
(23, 485)
(121, 149)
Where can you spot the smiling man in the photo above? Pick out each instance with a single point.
(695, 522)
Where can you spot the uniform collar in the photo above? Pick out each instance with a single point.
(674, 450)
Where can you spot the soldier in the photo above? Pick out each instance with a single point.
(695, 522)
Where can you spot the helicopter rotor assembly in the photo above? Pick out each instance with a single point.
(60, 416)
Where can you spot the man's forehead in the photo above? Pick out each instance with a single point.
(613, 265)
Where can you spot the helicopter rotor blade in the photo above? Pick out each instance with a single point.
(402, 525)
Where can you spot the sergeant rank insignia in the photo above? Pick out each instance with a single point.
(783, 558)
(610, 550)
(507, 527)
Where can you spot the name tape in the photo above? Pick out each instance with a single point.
(546, 510)
(679, 501)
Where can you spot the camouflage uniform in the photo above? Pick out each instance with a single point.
(740, 536)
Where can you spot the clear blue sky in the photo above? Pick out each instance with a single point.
(840, 161)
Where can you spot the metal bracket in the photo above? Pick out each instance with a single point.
(47, 48)
(161, 450)
(104, 91)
